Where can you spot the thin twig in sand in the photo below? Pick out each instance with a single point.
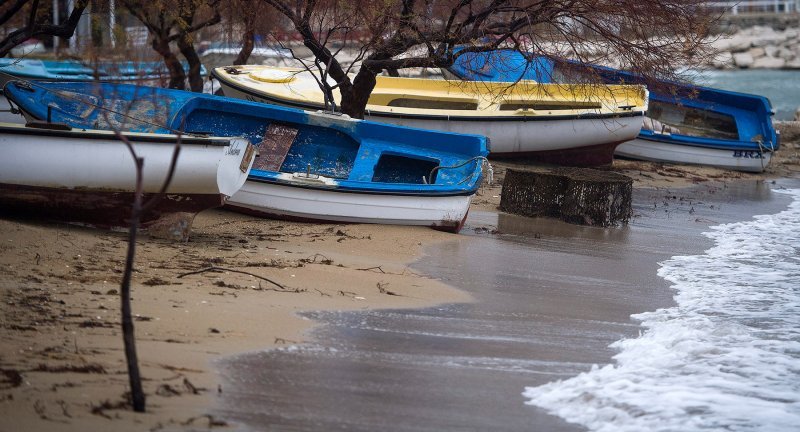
(378, 269)
(382, 289)
(222, 269)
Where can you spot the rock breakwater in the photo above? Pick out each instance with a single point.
(758, 47)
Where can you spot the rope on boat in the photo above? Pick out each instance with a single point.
(763, 149)
(485, 165)
(11, 108)
(77, 99)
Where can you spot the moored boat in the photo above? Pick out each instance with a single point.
(88, 176)
(685, 123)
(564, 124)
(311, 166)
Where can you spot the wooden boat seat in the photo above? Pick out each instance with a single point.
(47, 125)
(274, 147)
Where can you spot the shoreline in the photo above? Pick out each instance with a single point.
(551, 298)
(62, 362)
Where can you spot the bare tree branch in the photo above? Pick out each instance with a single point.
(36, 27)
(413, 34)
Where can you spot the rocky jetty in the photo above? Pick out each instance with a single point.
(758, 47)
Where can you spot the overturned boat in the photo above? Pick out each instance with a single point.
(310, 167)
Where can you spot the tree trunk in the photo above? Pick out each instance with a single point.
(354, 102)
(248, 40)
(32, 28)
(177, 77)
(195, 65)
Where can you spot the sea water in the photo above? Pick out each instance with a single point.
(781, 87)
(726, 357)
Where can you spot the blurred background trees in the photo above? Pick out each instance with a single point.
(23, 20)
(352, 41)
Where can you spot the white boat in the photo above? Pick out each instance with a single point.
(320, 204)
(577, 125)
(88, 176)
(749, 160)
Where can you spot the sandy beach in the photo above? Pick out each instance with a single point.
(236, 286)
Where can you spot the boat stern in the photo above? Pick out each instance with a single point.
(235, 165)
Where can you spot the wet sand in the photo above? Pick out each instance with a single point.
(62, 368)
(549, 299)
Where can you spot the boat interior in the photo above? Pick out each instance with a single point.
(703, 113)
(458, 96)
(317, 150)
(687, 120)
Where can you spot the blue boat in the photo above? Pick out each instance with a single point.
(73, 70)
(685, 123)
(311, 166)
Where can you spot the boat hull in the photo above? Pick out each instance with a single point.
(657, 151)
(446, 213)
(575, 142)
(89, 177)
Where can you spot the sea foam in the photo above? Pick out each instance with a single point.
(726, 357)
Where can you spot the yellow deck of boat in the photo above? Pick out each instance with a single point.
(447, 97)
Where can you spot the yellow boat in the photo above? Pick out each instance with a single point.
(567, 124)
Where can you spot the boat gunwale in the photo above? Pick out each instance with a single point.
(351, 186)
(100, 134)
